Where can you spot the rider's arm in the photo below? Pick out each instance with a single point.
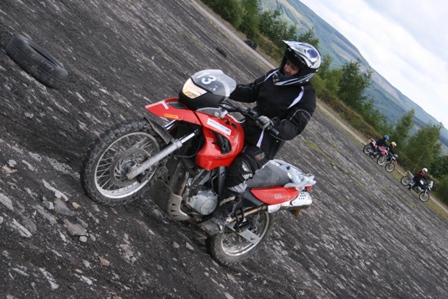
(247, 93)
(297, 118)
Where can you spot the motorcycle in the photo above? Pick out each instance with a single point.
(392, 160)
(423, 189)
(371, 149)
(181, 152)
(387, 156)
(383, 155)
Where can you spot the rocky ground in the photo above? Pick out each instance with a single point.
(365, 236)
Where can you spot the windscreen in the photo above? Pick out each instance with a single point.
(214, 81)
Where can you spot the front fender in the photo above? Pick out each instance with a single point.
(155, 123)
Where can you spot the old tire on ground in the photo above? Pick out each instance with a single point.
(111, 157)
(230, 248)
(36, 61)
(221, 51)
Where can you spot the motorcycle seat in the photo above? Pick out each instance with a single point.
(268, 176)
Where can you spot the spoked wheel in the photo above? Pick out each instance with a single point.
(405, 180)
(381, 160)
(367, 149)
(424, 196)
(110, 159)
(230, 247)
(390, 166)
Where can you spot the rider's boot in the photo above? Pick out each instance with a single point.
(228, 206)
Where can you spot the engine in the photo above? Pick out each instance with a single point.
(204, 202)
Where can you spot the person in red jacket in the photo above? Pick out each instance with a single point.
(416, 179)
(285, 100)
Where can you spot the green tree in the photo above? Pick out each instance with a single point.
(401, 131)
(374, 117)
(275, 29)
(424, 146)
(229, 10)
(442, 189)
(325, 66)
(353, 84)
(332, 80)
(439, 167)
(326, 81)
(309, 37)
(251, 17)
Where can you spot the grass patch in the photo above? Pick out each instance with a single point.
(437, 209)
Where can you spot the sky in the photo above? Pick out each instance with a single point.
(405, 41)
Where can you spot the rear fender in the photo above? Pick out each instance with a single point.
(275, 195)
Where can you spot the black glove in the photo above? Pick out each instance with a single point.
(264, 122)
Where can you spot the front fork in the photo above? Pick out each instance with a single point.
(175, 145)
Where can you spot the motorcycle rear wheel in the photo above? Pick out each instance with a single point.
(424, 196)
(367, 149)
(104, 169)
(230, 248)
(390, 167)
(405, 180)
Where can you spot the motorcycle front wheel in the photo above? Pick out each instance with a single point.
(111, 157)
(424, 196)
(405, 180)
(230, 248)
(381, 160)
(390, 167)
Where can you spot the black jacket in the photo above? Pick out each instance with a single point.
(381, 142)
(290, 106)
(391, 150)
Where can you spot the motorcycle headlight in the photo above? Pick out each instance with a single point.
(191, 90)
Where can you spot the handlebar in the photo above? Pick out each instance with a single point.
(249, 113)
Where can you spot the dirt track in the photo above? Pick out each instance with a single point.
(365, 236)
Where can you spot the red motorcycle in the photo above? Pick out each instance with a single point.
(180, 153)
(381, 153)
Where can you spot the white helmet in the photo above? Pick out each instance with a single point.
(305, 56)
(425, 170)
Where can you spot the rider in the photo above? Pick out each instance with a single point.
(391, 147)
(285, 99)
(380, 143)
(416, 179)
